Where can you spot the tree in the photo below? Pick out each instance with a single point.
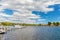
(57, 23)
(49, 23)
(7, 23)
(54, 23)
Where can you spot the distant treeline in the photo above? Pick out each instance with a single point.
(23, 24)
(53, 24)
(7, 23)
(48, 24)
(13, 24)
(31, 24)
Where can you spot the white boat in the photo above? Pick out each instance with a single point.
(18, 26)
(2, 30)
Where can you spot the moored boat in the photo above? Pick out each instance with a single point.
(18, 26)
(2, 30)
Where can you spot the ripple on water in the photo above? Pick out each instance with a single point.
(34, 33)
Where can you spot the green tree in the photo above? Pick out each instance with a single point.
(39, 24)
(54, 23)
(57, 23)
(7, 23)
(49, 23)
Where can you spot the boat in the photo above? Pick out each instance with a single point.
(2, 30)
(18, 26)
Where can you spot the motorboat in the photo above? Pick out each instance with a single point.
(2, 30)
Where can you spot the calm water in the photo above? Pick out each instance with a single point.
(34, 33)
(1, 35)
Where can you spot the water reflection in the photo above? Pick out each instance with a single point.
(47, 33)
(34, 33)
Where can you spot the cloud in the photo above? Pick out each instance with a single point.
(23, 9)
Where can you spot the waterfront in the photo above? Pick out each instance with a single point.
(34, 33)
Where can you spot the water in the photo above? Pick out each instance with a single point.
(1, 35)
(34, 33)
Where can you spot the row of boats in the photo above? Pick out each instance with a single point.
(5, 29)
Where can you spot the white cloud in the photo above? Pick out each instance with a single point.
(24, 9)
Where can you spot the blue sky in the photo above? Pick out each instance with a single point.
(8, 11)
(51, 16)
(30, 11)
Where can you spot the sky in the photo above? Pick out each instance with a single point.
(30, 11)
